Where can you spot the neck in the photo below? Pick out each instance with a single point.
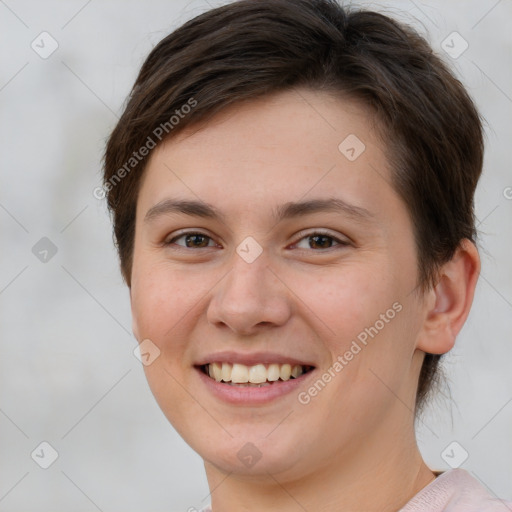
(375, 478)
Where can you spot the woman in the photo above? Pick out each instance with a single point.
(293, 209)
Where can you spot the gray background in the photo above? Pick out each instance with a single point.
(67, 372)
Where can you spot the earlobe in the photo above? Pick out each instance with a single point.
(450, 300)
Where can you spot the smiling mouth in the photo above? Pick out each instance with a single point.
(258, 375)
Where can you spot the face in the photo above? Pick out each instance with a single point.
(299, 253)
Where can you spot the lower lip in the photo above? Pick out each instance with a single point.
(252, 395)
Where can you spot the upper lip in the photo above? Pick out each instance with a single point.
(250, 359)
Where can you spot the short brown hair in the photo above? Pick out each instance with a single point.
(250, 48)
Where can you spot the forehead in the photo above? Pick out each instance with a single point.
(288, 146)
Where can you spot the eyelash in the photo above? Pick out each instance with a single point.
(341, 243)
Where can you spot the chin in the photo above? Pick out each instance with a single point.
(251, 453)
(251, 463)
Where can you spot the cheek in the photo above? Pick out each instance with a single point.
(155, 304)
(166, 303)
(346, 299)
(366, 318)
(163, 309)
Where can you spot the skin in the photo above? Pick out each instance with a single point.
(353, 446)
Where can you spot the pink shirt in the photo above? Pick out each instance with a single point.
(454, 490)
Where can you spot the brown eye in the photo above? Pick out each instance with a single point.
(319, 241)
(192, 240)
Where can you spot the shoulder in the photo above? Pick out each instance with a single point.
(456, 490)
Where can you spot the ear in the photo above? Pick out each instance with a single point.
(448, 304)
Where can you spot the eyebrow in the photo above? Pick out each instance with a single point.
(285, 211)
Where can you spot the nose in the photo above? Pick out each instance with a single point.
(249, 297)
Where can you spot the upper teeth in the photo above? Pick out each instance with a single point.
(239, 373)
